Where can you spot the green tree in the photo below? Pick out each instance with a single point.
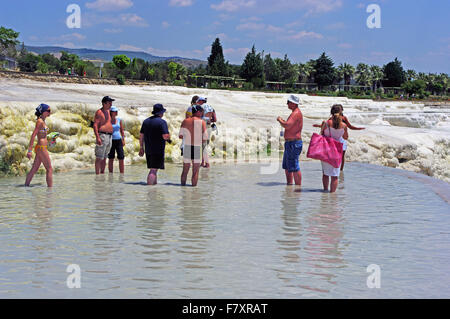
(53, 63)
(324, 71)
(362, 75)
(172, 71)
(42, 67)
(121, 61)
(415, 87)
(305, 71)
(8, 40)
(289, 72)
(252, 68)
(29, 62)
(345, 72)
(411, 75)
(271, 69)
(377, 75)
(216, 61)
(394, 75)
(68, 61)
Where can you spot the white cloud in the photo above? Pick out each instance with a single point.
(345, 46)
(165, 24)
(233, 5)
(271, 28)
(251, 26)
(304, 35)
(195, 54)
(102, 45)
(127, 47)
(181, 3)
(68, 38)
(113, 30)
(131, 19)
(109, 5)
(125, 19)
(311, 6)
(68, 45)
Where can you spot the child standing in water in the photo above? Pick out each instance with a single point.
(118, 141)
(41, 130)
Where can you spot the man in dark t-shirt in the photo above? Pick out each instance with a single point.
(154, 134)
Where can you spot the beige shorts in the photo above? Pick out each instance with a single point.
(102, 151)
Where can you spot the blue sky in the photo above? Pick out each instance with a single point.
(417, 32)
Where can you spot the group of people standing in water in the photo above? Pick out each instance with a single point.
(195, 132)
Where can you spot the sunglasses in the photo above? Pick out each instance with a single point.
(49, 111)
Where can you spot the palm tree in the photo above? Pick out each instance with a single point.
(377, 75)
(305, 70)
(363, 75)
(411, 75)
(346, 71)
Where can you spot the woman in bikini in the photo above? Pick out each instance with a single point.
(344, 140)
(41, 130)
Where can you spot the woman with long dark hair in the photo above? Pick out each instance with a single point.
(336, 129)
(42, 157)
(344, 140)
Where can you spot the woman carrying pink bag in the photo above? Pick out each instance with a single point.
(336, 129)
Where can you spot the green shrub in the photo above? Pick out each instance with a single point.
(121, 79)
(247, 86)
(5, 168)
(182, 82)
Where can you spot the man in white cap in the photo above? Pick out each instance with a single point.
(293, 142)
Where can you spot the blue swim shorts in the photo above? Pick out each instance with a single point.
(292, 151)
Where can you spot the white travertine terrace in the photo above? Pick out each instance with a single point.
(405, 135)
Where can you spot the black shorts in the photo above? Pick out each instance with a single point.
(155, 161)
(117, 146)
(192, 153)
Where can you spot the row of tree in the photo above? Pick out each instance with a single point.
(257, 69)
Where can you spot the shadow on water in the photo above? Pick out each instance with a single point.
(310, 190)
(271, 184)
(136, 183)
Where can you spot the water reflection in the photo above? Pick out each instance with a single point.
(290, 242)
(323, 235)
(151, 226)
(42, 213)
(194, 230)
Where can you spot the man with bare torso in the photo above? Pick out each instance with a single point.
(293, 141)
(103, 133)
(194, 134)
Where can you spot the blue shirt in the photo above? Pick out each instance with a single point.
(153, 129)
(116, 130)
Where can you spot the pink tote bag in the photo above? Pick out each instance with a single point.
(326, 149)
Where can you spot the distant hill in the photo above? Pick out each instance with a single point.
(107, 56)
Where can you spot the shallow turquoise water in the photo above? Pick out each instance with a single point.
(240, 234)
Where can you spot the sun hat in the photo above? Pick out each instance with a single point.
(114, 109)
(201, 98)
(158, 109)
(294, 99)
